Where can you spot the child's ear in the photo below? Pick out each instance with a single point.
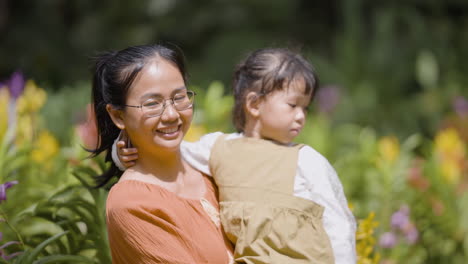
(252, 104)
(116, 116)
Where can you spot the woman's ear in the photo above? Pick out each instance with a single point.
(252, 104)
(116, 116)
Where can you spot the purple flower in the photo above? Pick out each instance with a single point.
(400, 219)
(460, 106)
(4, 187)
(8, 244)
(16, 84)
(404, 209)
(328, 97)
(411, 234)
(8, 257)
(388, 240)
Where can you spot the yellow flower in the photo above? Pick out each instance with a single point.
(32, 99)
(449, 145)
(451, 170)
(24, 129)
(45, 148)
(450, 151)
(389, 148)
(194, 133)
(4, 100)
(365, 240)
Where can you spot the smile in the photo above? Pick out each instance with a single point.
(169, 130)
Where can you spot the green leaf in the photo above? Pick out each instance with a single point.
(427, 69)
(35, 252)
(20, 259)
(412, 142)
(85, 175)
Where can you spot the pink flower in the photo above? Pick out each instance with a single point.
(416, 177)
(87, 131)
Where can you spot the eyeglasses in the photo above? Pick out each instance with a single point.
(155, 106)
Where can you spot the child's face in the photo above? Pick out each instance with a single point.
(282, 114)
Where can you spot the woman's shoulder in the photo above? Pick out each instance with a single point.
(136, 194)
(131, 194)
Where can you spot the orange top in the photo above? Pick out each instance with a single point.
(149, 224)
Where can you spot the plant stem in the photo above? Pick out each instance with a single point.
(20, 239)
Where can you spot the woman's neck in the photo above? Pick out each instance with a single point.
(166, 166)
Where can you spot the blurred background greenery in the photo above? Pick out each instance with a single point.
(381, 55)
(391, 114)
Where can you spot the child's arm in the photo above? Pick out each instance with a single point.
(197, 154)
(322, 185)
(123, 155)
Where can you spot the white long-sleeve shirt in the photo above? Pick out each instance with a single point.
(315, 180)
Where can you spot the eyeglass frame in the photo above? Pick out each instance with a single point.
(191, 98)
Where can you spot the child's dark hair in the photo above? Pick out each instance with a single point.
(267, 70)
(114, 73)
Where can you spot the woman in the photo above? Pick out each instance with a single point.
(161, 210)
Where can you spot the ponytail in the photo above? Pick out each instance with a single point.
(107, 131)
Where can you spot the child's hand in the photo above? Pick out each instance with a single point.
(127, 156)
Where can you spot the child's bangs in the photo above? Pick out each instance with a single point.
(287, 72)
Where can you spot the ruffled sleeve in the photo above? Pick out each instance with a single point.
(316, 180)
(197, 154)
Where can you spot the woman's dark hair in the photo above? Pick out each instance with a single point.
(114, 73)
(267, 70)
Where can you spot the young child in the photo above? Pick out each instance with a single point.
(280, 202)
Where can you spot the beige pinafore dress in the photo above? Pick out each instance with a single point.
(258, 210)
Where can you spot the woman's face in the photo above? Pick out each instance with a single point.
(159, 79)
